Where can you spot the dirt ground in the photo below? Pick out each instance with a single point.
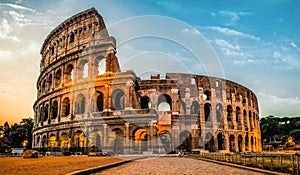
(50, 164)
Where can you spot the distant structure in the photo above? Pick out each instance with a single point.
(86, 103)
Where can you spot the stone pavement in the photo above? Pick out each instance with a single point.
(174, 166)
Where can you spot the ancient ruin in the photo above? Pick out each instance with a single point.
(85, 103)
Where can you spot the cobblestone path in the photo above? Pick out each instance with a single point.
(174, 166)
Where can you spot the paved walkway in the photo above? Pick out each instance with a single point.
(174, 166)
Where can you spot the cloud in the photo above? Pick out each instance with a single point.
(280, 105)
(223, 43)
(294, 45)
(5, 31)
(232, 16)
(249, 61)
(5, 55)
(18, 7)
(230, 32)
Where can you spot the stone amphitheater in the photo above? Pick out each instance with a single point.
(85, 103)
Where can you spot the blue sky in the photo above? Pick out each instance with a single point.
(257, 44)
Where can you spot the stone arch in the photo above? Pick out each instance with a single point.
(166, 140)
(219, 112)
(164, 103)
(237, 114)
(49, 82)
(95, 140)
(207, 112)
(46, 112)
(78, 140)
(250, 120)
(101, 65)
(245, 119)
(83, 69)
(145, 102)
(140, 139)
(231, 143)
(246, 142)
(240, 143)
(117, 140)
(54, 109)
(64, 142)
(72, 38)
(185, 140)
(118, 99)
(209, 139)
(44, 86)
(52, 142)
(229, 113)
(57, 78)
(195, 107)
(252, 144)
(69, 73)
(100, 102)
(44, 143)
(66, 107)
(207, 95)
(80, 104)
(221, 141)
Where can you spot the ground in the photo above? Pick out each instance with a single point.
(51, 165)
(174, 166)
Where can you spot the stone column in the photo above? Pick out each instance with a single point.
(105, 136)
(127, 148)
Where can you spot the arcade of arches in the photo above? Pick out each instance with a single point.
(86, 103)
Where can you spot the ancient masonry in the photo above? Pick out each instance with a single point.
(86, 103)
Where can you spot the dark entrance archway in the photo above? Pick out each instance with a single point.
(166, 141)
(185, 141)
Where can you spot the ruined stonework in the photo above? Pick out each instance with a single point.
(85, 103)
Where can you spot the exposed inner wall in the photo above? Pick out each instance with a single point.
(86, 104)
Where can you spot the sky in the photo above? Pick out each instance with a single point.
(254, 43)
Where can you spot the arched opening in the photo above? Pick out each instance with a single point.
(101, 66)
(72, 37)
(118, 99)
(230, 117)
(117, 139)
(100, 102)
(219, 112)
(49, 82)
(207, 112)
(207, 95)
(78, 141)
(209, 139)
(44, 143)
(229, 113)
(252, 144)
(247, 143)
(231, 143)
(64, 142)
(240, 143)
(85, 72)
(250, 121)
(245, 120)
(46, 112)
(44, 86)
(221, 142)
(166, 141)
(57, 78)
(54, 108)
(145, 100)
(95, 141)
(80, 104)
(164, 103)
(66, 107)
(195, 108)
(185, 140)
(52, 142)
(238, 118)
(69, 73)
(140, 140)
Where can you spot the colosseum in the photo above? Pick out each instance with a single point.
(85, 103)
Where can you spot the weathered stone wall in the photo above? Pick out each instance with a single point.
(85, 102)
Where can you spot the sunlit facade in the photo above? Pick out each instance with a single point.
(86, 103)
